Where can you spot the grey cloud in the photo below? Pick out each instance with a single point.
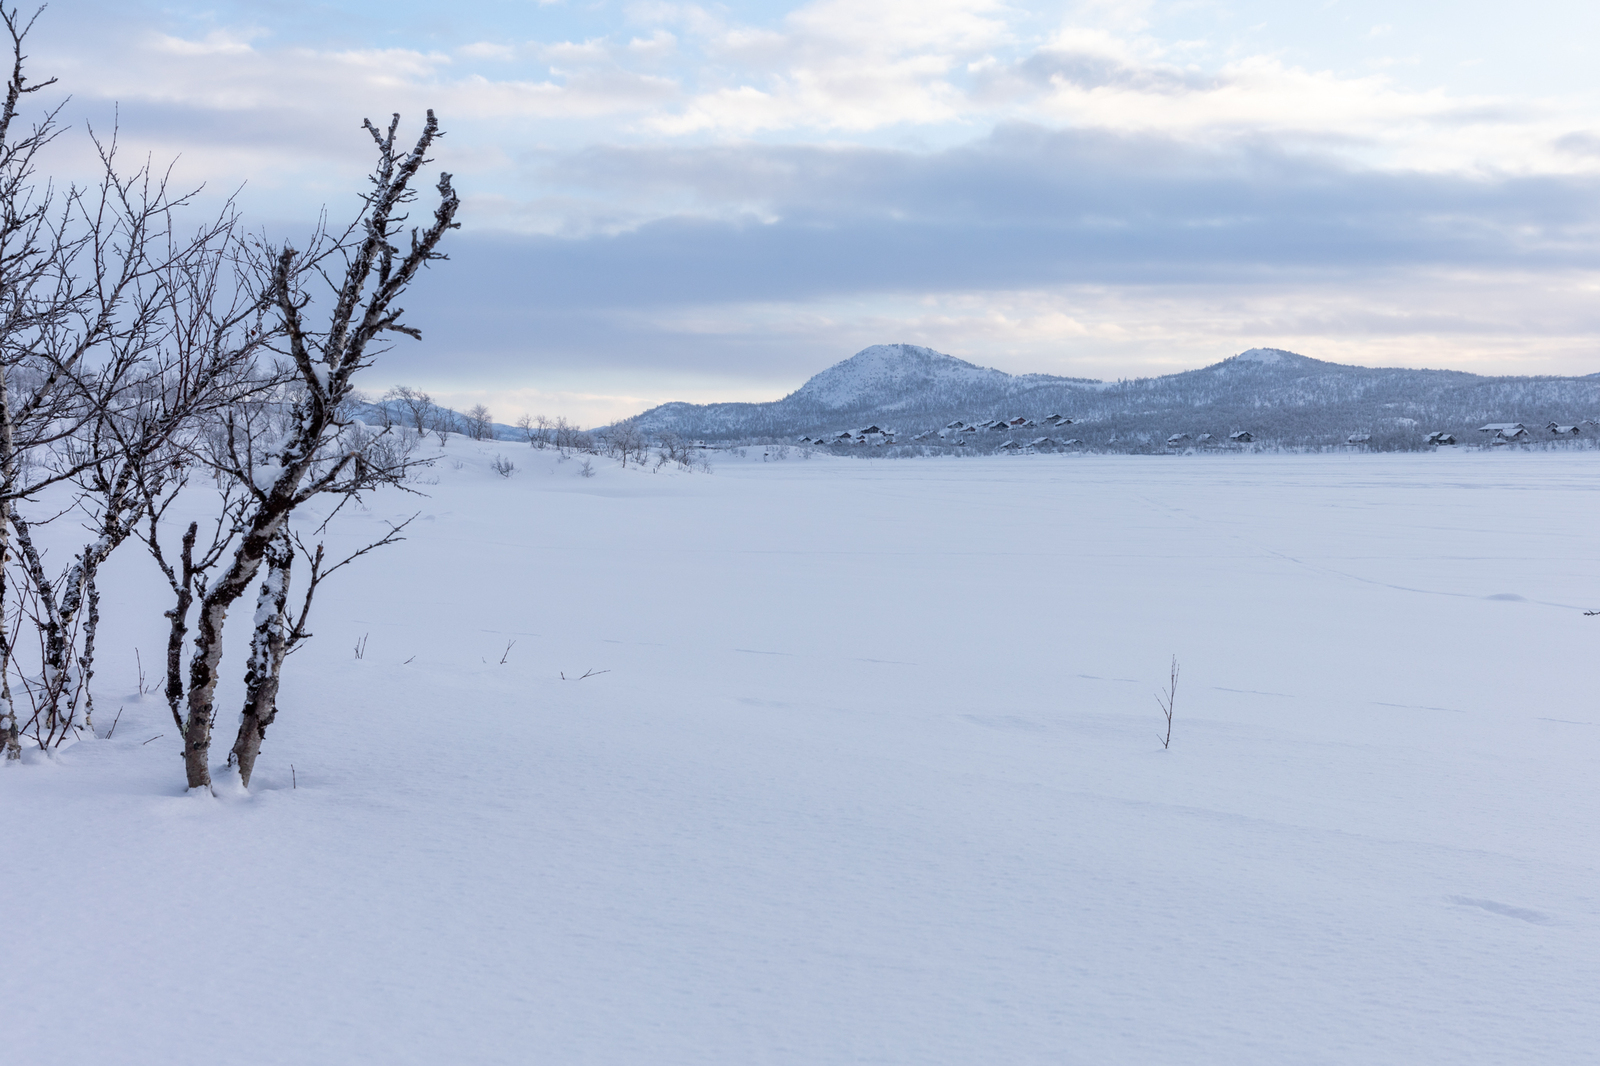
(1025, 209)
(1091, 70)
(1585, 142)
(1030, 206)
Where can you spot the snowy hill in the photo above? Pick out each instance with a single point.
(892, 376)
(1277, 395)
(915, 383)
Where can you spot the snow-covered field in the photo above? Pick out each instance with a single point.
(872, 775)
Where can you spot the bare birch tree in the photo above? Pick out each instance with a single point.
(311, 451)
(85, 279)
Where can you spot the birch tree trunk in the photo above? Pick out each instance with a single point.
(267, 648)
(10, 733)
(91, 625)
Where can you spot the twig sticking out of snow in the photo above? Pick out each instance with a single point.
(509, 645)
(1166, 703)
(587, 673)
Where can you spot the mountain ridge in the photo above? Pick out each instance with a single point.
(1275, 393)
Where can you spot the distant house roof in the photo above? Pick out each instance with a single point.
(1176, 437)
(1009, 444)
(1244, 436)
(1074, 440)
(1018, 421)
(1571, 430)
(1203, 436)
(1358, 438)
(1441, 438)
(955, 425)
(1041, 442)
(1501, 427)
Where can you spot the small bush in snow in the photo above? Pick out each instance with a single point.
(503, 466)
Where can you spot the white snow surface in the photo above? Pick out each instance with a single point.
(874, 776)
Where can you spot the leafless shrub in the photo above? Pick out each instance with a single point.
(624, 442)
(587, 469)
(672, 448)
(503, 466)
(444, 422)
(568, 438)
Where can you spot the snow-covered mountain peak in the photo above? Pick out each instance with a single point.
(1266, 356)
(889, 370)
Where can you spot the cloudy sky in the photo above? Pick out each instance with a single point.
(715, 201)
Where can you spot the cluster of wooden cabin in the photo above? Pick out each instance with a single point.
(1243, 436)
(954, 433)
(869, 435)
(1517, 433)
(959, 433)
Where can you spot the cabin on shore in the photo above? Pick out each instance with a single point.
(1244, 436)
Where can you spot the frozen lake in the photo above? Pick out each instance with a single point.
(872, 775)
